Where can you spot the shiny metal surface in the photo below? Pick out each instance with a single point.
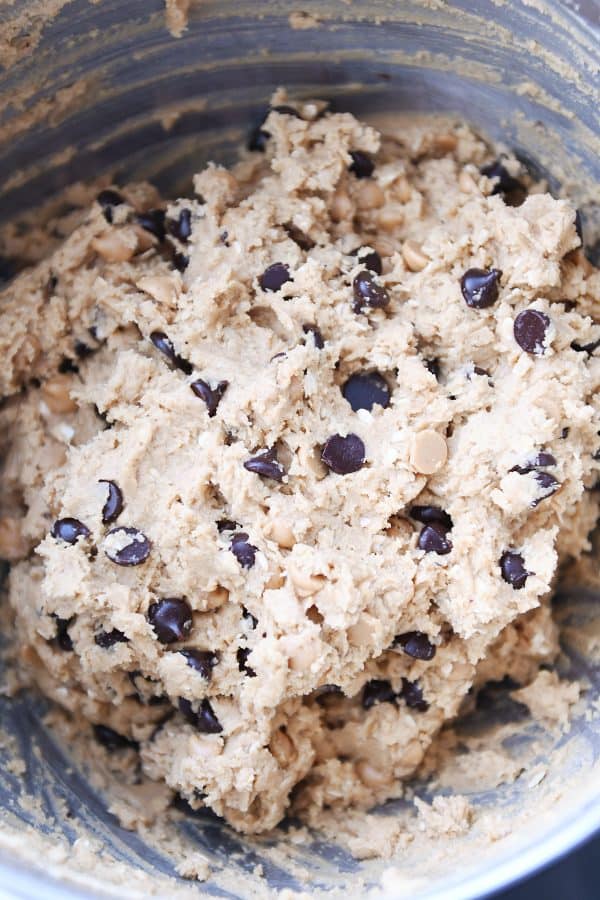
(90, 98)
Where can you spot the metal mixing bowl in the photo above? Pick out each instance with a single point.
(94, 87)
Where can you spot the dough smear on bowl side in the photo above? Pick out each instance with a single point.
(292, 462)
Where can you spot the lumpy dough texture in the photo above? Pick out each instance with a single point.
(254, 598)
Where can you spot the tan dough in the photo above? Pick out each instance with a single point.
(300, 680)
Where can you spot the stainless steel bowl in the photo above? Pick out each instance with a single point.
(94, 87)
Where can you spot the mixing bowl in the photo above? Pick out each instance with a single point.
(89, 88)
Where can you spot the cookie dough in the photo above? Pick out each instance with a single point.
(289, 466)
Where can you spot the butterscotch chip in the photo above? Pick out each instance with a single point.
(429, 452)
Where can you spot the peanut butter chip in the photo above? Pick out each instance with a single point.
(429, 452)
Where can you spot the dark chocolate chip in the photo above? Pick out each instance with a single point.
(244, 552)
(309, 328)
(63, 638)
(377, 691)
(433, 366)
(82, 350)
(505, 182)
(165, 346)
(154, 222)
(201, 661)
(171, 619)
(108, 639)
(113, 507)
(368, 293)
(433, 539)
(480, 287)
(135, 552)
(343, 455)
(181, 227)
(226, 525)
(204, 719)
(180, 261)
(265, 464)
(242, 658)
(547, 484)
(412, 694)
(477, 370)
(365, 389)
(370, 259)
(590, 347)
(579, 226)
(67, 366)
(257, 142)
(564, 433)
(416, 644)
(249, 617)
(69, 530)
(428, 514)
(285, 110)
(362, 165)
(211, 396)
(512, 566)
(112, 740)
(530, 330)
(274, 277)
(50, 287)
(303, 241)
(539, 460)
(107, 199)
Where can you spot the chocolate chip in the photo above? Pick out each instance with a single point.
(135, 552)
(579, 226)
(365, 389)
(412, 694)
(362, 165)
(530, 330)
(82, 350)
(108, 639)
(63, 638)
(226, 525)
(285, 110)
(107, 199)
(67, 366)
(370, 259)
(50, 287)
(171, 619)
(165, 346)
(539, 460)
(211, 396)
(181, 227)
(505, 182)
(112, 740)
(590, 348)
(69, 530)
(204, 719)
(249, 617)
(480, 287)
(303, 241)
(433, 539)
(548, 485)
(377, 691)
(201, 661)
(416, 644)
(257, 142)
(309, 328)
(113, 507)
(512, 566)
(181, 261)
(154, 222)
(433, 366)
(274, 277)
(242, 656)
(368, 293)
(265, 464)
(564, 433)
(343, 455)
(428, 514)
(244, 552)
